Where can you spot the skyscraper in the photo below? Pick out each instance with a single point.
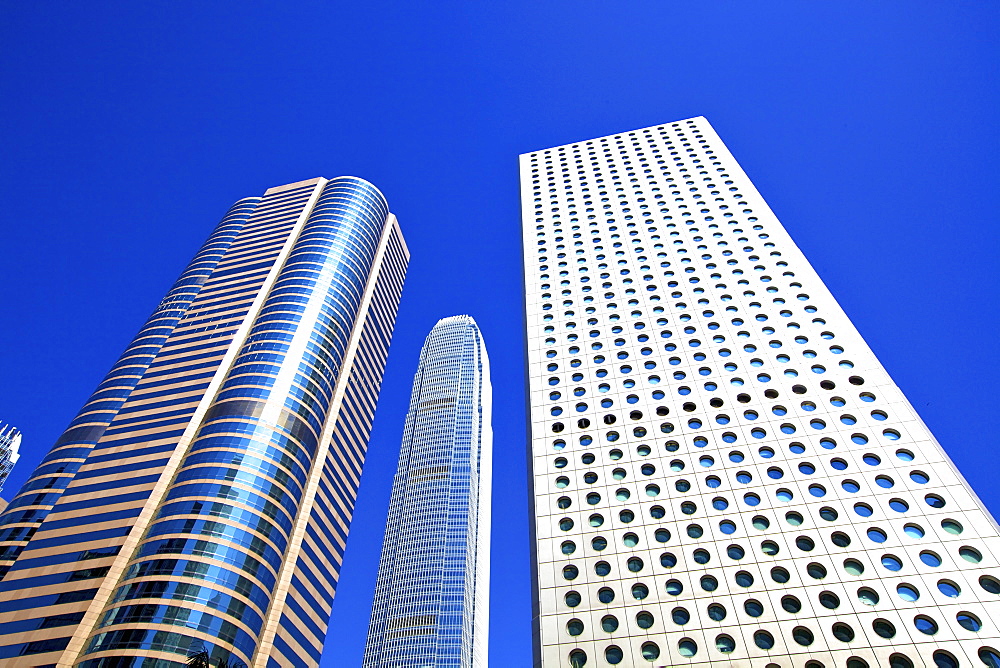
(10, 446)
(431, 607)
(723, 472)
(198, 505)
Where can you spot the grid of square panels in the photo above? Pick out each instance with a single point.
(722, 470)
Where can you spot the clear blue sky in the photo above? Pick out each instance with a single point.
(129, 128)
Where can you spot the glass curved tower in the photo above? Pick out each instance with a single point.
(431, 607)
(196, 508)
(724, 474)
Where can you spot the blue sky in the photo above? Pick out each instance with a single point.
(129, 128)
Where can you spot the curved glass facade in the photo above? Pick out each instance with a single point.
(40, 492)
(237, 439)
(432, 597)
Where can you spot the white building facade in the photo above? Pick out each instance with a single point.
(723, 473)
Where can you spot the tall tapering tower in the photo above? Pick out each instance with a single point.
(723, 472)
(197, 507)
(431, 607)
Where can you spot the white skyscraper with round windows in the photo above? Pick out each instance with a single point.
(723, 473)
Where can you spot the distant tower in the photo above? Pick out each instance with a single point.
(431, 607)
(197, 508)
(10, 442)
(723, 472)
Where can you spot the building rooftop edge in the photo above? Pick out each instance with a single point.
(614, 134)
(313, 181)
(291, 186)
(460, 316)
